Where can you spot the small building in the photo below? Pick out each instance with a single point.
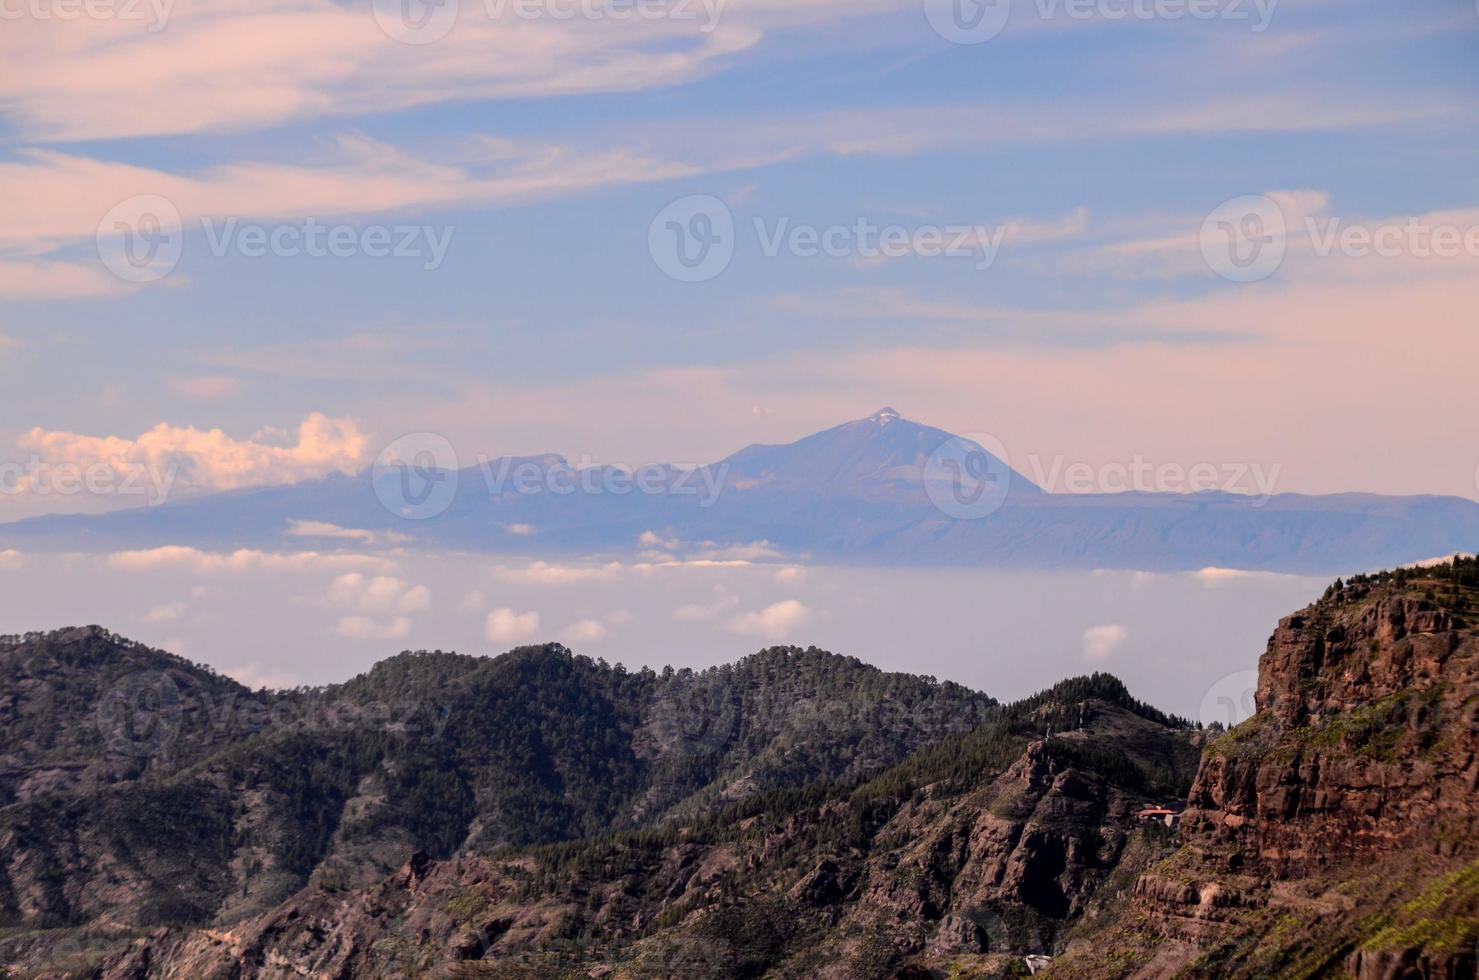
(1161, 814)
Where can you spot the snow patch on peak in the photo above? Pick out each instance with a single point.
(885, 415)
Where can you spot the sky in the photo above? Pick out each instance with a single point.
(264, 238)
(1186, 642)
(255, 242)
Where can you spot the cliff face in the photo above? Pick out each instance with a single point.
(1366, 741)
(1334, 833)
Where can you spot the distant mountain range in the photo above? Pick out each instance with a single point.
(880, 490)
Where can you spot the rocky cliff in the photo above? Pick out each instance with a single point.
(1336, 832)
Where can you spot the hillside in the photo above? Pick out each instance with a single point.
(1333, 834)
(141, 789)
(992, 837)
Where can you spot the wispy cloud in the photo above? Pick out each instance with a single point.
(778, 621)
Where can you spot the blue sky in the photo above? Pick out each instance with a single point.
(544, 148)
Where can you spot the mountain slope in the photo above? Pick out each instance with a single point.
(263, 793)
(986, 842)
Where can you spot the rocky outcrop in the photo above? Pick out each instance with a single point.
(1338, 829)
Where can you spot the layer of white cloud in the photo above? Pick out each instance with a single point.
(504, 625)
(777, 621)
(379, 594)
(1100, 642)
(369, 628)
(583, 631)
(241, 560)
(557, 573)
(168, 459)
(165, 613)
(324, 529)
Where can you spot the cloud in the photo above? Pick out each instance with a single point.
(981, 240)
(256, 676)
(584, 631)
(1212, 576)
(549, 573)
(225, 65)
(774, 622)
(241, 560)
(753, 551)
(506, 626)
(324, 529)
(699, 611)
(519, 530)
(57, 199)
(30, 279)
(169, 457)
(167, 613)
(11, 559)
(651, 539)
(208, 387)
(1101, 641)
(381, 594)
(367, 628)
